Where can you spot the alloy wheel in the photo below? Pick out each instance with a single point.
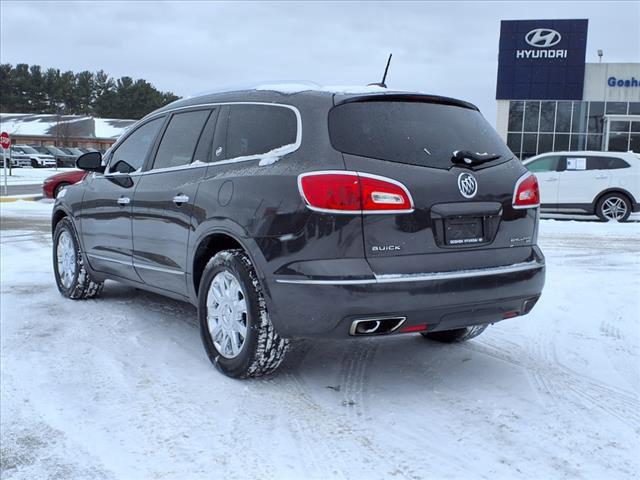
(614, 208)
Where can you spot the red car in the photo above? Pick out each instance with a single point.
(52, 186)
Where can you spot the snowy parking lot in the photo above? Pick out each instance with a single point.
(120, 387)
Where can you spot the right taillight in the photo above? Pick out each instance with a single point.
(342, 191)
(527, 193)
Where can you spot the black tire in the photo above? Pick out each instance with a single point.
(457, 335)
(34, 163)
(611, 205)
(80, 285)
(262, 350)
(58, 188)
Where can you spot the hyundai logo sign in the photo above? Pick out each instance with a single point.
(542, 59)
(543, 38)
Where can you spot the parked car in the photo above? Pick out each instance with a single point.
(314, 214)
(75, 152)
(53, 185)
(25, 156)
(63, 159)
(606, 184)
(17, 159)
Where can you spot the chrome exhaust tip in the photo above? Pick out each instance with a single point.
(375, 326)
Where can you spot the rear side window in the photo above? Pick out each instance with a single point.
(131, 153)
(605, 163)
(180, 138)
(416, 133)
(258, 129)
(546, 164)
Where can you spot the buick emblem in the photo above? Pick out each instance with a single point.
(467, 185)
(542, 38)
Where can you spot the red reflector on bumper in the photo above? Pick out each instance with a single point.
(510, 314)
(414, 328)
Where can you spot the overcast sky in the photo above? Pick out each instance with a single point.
(444, 48)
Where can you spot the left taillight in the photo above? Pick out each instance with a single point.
(526, 193)
(353, 192)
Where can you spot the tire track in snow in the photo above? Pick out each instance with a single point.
(355, 364)
(334, 436)
(553, 379)
(628, 367)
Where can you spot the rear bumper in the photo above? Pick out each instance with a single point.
(308, 307)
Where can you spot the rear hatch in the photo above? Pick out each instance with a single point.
(463, 216)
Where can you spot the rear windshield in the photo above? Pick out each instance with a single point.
(417, 133)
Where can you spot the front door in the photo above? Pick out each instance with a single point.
(105, 217)
(164, 198)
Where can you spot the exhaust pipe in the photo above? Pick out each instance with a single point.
(375, 326)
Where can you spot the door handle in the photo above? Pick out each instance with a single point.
(180, 199)
(124, 201)
(602, 177)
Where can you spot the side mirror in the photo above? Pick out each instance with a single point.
(91, 162)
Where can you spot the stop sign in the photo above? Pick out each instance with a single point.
(4, 140)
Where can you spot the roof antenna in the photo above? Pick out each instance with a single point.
(384, 77)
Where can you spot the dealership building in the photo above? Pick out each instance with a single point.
(549, 99)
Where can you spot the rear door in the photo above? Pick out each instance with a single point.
(163, 200)
(546, 170)
(105, 216)
(462, 211)
(582, 179)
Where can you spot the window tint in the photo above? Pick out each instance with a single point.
(179, 140)
(605, 163)
(417, 133)
(130, 154)
(258, 129)
(546, 164)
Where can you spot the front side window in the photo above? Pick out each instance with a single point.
(131, 153)
(546, 164)
(259, 129)
(179, 140)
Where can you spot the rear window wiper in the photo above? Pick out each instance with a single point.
(469, 158)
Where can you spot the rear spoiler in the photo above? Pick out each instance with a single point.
(405, 97)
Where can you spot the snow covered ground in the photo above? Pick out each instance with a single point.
(29, 176)
(120, 387)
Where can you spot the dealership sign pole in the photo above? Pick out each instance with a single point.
(5, 142)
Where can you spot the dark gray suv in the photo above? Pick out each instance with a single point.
(308, 214)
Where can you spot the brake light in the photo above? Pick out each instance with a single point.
(526, 193)
(353, 192)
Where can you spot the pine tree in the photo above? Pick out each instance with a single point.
(26, 89)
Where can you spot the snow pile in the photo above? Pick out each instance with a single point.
(68, 126)
(30, 176)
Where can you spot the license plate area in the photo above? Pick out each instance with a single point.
(462, 231)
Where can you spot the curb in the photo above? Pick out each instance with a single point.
(31, 198)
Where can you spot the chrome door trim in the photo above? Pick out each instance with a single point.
(279, 152)
(158, 269)
(107, 259)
